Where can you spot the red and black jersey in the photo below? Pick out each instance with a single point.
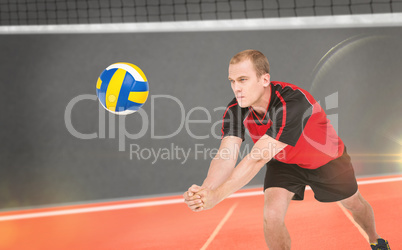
(293, 117)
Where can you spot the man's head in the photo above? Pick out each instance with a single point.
(249, 77)
(258, 59)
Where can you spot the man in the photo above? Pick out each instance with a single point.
(294, 138)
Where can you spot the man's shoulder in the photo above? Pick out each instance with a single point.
(234, 105)
(291, 92)
(286, 86)
(233, 108)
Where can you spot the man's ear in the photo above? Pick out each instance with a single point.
(266, 80)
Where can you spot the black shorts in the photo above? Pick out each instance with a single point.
(333, 181)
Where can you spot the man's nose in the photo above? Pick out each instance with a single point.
(237, 87)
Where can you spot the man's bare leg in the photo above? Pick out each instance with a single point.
(363, 214)
(276, 204)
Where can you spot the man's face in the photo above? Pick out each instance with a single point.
(247, 87)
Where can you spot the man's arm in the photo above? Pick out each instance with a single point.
(263, 151)
(220, 169)
(223, 163)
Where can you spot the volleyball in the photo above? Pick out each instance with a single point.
(122, 88)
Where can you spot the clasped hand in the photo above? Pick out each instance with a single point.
(199, 198)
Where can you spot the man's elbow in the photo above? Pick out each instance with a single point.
(260, 156)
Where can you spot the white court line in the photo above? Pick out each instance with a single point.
(148, 204)
(219, 227)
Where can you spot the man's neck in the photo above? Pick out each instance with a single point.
(261, 107)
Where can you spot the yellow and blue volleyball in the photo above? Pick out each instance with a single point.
(122, 88)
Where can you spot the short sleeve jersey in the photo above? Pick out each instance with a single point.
(293, 117)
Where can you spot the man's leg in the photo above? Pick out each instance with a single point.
(276, 204)
(363, 214)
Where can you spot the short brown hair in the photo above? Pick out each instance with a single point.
(258, 59)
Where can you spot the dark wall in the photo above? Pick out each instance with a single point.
(45, 78)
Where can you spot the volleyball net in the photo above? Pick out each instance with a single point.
(182, 15)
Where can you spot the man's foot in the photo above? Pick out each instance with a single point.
(381, 245)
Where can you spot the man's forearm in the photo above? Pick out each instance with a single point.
(240, 176)
(263, 151)
(219, 171)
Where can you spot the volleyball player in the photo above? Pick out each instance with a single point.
(293, 138)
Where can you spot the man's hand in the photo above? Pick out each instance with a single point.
(192, 199)
(209, 198)
(200, 198)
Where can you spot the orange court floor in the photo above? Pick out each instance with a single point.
(235, 223)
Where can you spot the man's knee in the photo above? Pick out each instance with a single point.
(276, 204)
(273, 218)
